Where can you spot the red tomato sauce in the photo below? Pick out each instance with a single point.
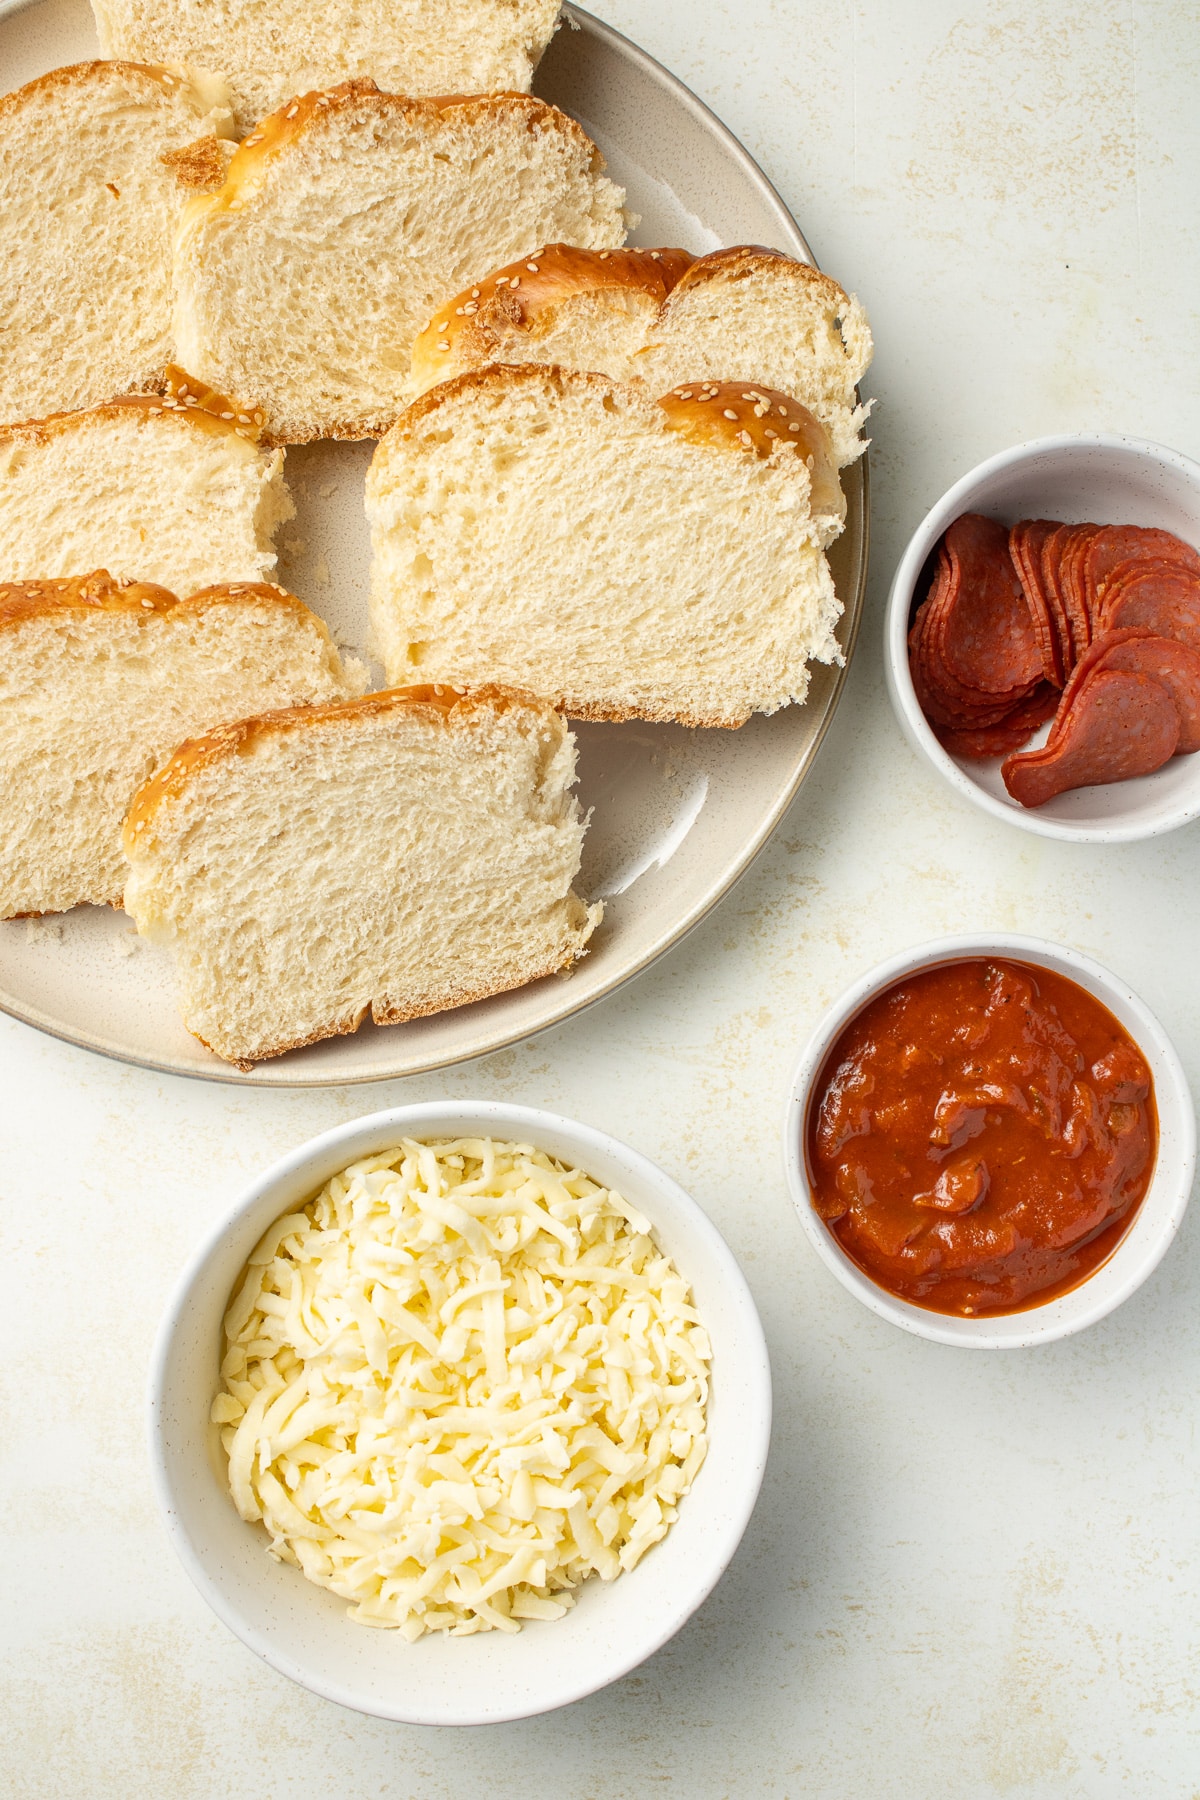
(982, 1136)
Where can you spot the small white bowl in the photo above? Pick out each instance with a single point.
(301, 1629)
(1109, 480)
(1157, 1220)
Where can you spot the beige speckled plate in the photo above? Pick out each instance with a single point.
(678, 815)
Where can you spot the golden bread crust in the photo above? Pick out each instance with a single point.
(100, 72)
(181, 398)
(760, 420)
(314, 110)
(438, 704)
(524, 295)
(739, 260)
(97, 592)
(101, 592)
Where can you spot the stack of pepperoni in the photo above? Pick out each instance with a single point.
(1094, 626)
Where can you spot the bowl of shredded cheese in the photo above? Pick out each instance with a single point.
(460, 1413)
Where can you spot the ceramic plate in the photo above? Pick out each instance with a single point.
(677, 815)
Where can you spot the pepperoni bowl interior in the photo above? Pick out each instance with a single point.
(558, 1654)
(1085, 480)
(1134, 1248)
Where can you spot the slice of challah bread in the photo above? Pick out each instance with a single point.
(345, 219)
(270, 53)
(623, 557)
(99, 682)
(170, 488)
(89, 209)
(401, 854)
(663, 317)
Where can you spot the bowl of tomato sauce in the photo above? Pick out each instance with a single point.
(990, 1141)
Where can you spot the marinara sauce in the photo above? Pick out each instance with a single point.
(983, 1135)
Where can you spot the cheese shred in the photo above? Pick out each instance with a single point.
(457, 1383)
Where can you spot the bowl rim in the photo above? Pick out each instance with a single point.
(899, 679)
(1074, 1312)
(433, 1117)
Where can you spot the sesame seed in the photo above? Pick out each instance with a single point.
(745, 438)
(771, 433)
(783, 411)
(501, 281)
(227, 415)
(684, 393)
(729, 413)
(460, 310)
(443, 345)
(471, 307)
(442, 325)
(474, 293)
(514, 281)
(291, 112)
(794, 426)
(532, 267)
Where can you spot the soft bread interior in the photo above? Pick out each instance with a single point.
(270, 53)
(548, 529)
(302, 284)
(390, 857)
(150, 495)
(89, 209)
(92, 701)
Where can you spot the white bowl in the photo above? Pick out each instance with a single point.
(1157, 1219)
(1109, 480)
(302, 1630)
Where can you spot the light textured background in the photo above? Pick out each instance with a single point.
(968, 1575)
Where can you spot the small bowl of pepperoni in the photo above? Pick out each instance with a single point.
(990, 1141)
(1043, 637)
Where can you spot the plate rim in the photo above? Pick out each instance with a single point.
(274, 1074)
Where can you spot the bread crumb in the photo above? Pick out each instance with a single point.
(328, 490)
(128, 944)
(321, 572)
(295, 546)
(358, 675)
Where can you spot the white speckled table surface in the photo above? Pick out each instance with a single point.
(974, 1575)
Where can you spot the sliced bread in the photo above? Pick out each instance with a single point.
(99, 682)
(89, 207)
(623, 557)
(663, 317)
(345, 220)
(400, 855)
(170, 488)
(271, 53)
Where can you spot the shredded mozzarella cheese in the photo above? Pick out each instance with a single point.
(460, 1381)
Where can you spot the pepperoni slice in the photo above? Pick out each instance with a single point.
(1069, 549)
(1025, 543)
(1114, 545)
(1140, 652)
(986, 640)
(1016, 728)
(945, 699)
(1051, 558)
(1119, 725)
(1160, 597)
